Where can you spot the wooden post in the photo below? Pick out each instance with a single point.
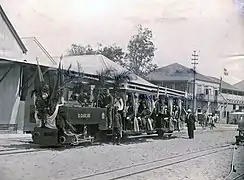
(194, 62)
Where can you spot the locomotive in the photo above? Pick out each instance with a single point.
(84, 112)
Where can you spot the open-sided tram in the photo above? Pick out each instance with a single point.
(85, 112)
(239, 116)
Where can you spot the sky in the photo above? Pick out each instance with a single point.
(215, 28)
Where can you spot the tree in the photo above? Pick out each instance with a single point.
(77, 50)
(141, 52)
(112, 52)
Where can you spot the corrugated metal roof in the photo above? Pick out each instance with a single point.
(240, 85)
(225, 85)
(35, 49)
(176, 72)
(13, 31)
(92, 64)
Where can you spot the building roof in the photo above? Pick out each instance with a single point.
(36, 50)
(176, 72)
(240, 85)
(225, 85)
(12, 30)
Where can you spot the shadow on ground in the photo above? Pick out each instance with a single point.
(18, 144)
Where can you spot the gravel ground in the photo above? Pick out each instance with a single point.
(213, 167)
(72, 163)
(239, 162)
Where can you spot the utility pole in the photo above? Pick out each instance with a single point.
(194, 62)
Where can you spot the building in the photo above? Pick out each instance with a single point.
(12, 54)
(212, 94)
(180, 78)
(240, 85)
(230, 99)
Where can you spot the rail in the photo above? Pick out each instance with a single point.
(136, 169)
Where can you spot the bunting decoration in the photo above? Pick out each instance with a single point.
(57, 85)
(157, 93)
(165, 91)
(40, 75)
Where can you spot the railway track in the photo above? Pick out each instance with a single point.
(16, 151)
(34, 148)
(239, 177)
(136, 169)
(233, 174)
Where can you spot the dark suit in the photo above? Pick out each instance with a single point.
(190, 121)
(117, 124)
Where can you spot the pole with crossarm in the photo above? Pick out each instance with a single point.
(194, 63)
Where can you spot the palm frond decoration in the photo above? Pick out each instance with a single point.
(103, 77)
(111, 78)
(71, 78)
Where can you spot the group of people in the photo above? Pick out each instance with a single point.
(143, 114)
(208, 120)
(117, 126)
(140, 113)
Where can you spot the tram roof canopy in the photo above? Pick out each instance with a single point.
(92, 64)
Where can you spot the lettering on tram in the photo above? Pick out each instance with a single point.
(83, 116)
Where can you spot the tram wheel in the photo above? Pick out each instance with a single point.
(160, 133)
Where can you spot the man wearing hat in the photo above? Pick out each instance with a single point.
(190, 121)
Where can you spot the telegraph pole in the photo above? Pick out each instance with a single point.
(194, 62)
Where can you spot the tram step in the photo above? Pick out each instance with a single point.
(86, 139)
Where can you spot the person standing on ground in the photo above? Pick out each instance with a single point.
(117, 126)
(190, 121)
(211, 122)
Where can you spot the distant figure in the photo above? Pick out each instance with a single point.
(211, 122)
(117, 126)
(190, 121)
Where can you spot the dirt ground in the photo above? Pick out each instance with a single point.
(72, 163)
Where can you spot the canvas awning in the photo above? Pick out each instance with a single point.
(92, 64)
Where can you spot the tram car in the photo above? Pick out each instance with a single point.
(86, 123)
(239, 118)
(84, 112)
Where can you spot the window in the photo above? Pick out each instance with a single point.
(224, 114)
(207, 91)
(234, 106)
(216, 92)
(199, 89)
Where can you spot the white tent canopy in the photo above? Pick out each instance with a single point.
(92, 64)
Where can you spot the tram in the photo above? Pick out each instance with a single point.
(240, 121)
(84, 112)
